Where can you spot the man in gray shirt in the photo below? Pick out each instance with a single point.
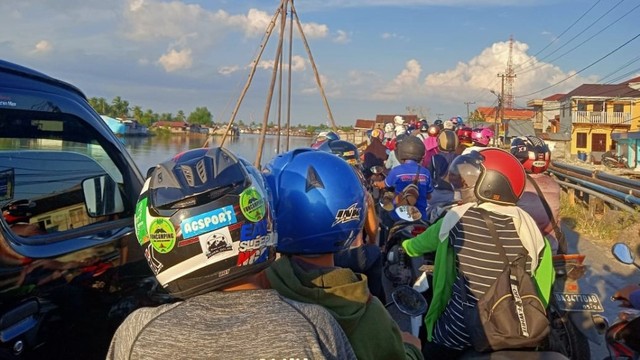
(205, 221)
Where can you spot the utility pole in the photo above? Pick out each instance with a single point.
(469, 103)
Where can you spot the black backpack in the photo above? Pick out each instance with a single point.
(510, 314)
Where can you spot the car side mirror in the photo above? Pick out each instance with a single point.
(102, 196)
(623, 253)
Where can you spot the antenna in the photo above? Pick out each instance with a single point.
(509, 77)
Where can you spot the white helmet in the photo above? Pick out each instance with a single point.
(388, 127)
(398, 120)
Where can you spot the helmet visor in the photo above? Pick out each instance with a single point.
(465, 170)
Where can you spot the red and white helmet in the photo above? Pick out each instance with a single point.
(533, 153)
(482, 136)
(464, 135)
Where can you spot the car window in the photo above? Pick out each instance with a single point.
(54, 173)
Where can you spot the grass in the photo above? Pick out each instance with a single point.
(605, 228)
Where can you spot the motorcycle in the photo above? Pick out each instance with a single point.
(623, 336)
(410, 302)
(397, 267)
(574, 316)
(612, 160)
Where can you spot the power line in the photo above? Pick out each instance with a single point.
(583, 69)
(531, 68)
(564, 32)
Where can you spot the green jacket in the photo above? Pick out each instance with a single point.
(372, 332)
(444, 273)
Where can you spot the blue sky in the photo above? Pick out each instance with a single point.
(373, 56)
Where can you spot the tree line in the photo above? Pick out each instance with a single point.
(120, 108)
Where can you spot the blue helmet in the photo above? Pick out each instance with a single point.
(318, 200)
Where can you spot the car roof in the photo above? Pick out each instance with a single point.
(14, 76)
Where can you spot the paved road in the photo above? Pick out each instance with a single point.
(604, 276)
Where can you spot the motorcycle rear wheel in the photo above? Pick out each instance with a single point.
(566, 339)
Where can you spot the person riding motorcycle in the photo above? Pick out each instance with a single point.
(535, 156)
(323, 137)
(363, 256)
(375, 154)
(410, 152)
(447, 144)
(206, 222)
(481, 138)
(443, 194)
(491, 180)
(464, 138)
(430, 144)
(319, 203)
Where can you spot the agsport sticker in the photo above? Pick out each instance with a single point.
(252, 205)
(208, 221)
(162, 235)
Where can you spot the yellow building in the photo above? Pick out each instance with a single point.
(596, 112)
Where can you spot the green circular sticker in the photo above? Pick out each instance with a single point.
(162, 235)
(252, 205)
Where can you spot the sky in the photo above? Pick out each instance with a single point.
(434, 58)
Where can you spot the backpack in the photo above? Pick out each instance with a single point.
(510, 314)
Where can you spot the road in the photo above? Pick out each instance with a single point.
(604, 275)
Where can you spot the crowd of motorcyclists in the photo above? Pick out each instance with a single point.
(287, 262)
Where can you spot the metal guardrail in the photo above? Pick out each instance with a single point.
(619, 192)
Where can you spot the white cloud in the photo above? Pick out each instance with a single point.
(480, 75)
(42, 47)
(176, 60)
(405, 83)
(342, 37)
(331, 88)
(313, 30)
(391, 36)
(227, 70)
(298, 63)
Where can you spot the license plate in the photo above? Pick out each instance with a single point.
(578, 302)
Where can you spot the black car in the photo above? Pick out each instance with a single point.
(70, 266)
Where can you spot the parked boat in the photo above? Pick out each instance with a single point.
(128, 127)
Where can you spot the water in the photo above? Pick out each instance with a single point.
(149, 151)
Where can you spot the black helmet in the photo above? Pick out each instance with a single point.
(410, 148)
(439, 124)
(533, 153)
(447, 140)
(424, 125)
(204, 219)
(344, 149)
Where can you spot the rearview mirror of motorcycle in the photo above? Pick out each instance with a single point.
(377, 169)
(408, 213)
(623, 253)
(409, 301)
(102, 196)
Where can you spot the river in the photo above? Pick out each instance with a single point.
(149, 151)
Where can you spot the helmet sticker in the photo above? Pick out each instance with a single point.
(252, 205)
(215, 243)
(142, 233)
(154, 264)
(208, 221)
(254, 243)
(162, 235)
(349, 214)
